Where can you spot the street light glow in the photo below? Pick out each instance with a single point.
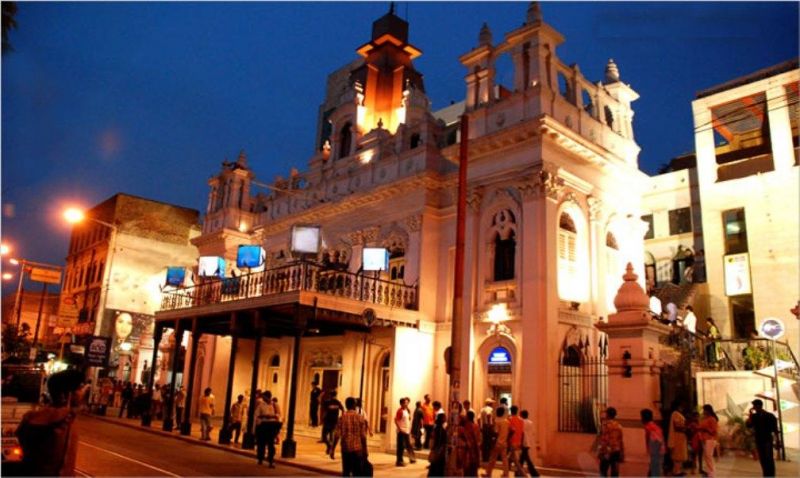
(73, 215)
(4, 249)
(7, 276)
(13, 261)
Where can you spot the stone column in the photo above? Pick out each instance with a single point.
(634, 367)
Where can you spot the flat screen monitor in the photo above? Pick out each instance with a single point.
(176, 276)
(305, 239)
(375, 259)
(250, 256)
(211, 266)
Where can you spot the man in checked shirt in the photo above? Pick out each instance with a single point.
(352, 430)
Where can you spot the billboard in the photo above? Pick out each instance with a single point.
(305, 239)
(375, 259)
(737, 274)
(48, 276)
(211, 266)
(176, 276)
(98, 350)
(250, 256)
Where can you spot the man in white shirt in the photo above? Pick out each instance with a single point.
(655, 306)
(672, 313)
(527, 443)
(690, 320)
(402, 419)
(487, 428)
(268, 424)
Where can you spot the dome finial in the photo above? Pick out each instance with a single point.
(612, 72)
(534, 13)
(485, 36)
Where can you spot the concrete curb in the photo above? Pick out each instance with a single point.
(216, 446)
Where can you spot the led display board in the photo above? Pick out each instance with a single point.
(374, 259)
(211, 266)
(250, 256)
(305, 239)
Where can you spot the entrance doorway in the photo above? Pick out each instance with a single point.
(502, 392)
(744, 317)
(330, 379)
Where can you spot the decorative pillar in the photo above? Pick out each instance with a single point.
(186, 423)
(224, 432)
(146, 417)
(634, 367)
(289, 446)
(176, 351)
(249, 438)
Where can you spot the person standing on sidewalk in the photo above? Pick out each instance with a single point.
(676, 439)
(708, 427)
(527, 442)
(352, 430)
(313, 405)
(268, 424)
(487, 429)
(127, 396)
(180, 400)
(416, 426)
(402, 420)
(237, 415)
(206, 412)
(438, 455)
(610, 447)
(764, 425)
(654, 442)
(469, 441)
(428, 420)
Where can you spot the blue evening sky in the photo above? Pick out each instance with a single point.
(149, 98)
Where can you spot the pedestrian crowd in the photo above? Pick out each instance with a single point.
(690, 444)
(685, 331)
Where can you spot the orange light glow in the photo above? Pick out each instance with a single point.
(7, 276)
(4, 249)
(73, 215)
(14, 262)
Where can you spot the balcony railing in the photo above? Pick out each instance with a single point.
(299, 276)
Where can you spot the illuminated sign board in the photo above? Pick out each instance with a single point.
(176, 276)
(211, 266)
(250, 256)
(771, 328)
(500, 355)
(305, 239)
(737, 274)
(375, 259)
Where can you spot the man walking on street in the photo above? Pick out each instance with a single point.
(329, 421)
(517, 429)
(237, 415)
(487, 429)
(500, 448)
(764, 425)
(402, 420)
(206, 412)
(352, 430)
(527, 443)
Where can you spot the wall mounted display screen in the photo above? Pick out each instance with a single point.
(375, 259)
(211, 266)
(250, 256)
(305, 239)
(176, 276)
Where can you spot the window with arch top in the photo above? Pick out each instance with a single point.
(345, 140)
(573, 274)
(504, 243)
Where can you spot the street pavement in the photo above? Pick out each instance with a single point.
(120, 447)
(107, 449)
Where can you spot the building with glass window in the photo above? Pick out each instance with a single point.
(724, 222)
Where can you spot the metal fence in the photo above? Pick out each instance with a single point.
(299, 276)
(582, 393)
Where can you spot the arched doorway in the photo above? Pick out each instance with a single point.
(494, 370)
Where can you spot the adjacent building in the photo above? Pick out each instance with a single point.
(115, 270)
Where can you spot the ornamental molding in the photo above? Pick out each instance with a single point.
(475, 198)
(544, 183)
(595, 208)
(414, 222)
(370, 234)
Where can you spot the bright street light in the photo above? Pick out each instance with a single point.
(73, 215)
(7, 276)
(4, 249)
(13, 261)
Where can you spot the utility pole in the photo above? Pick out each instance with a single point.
(454, 358)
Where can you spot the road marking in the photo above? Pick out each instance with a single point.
(160, 470)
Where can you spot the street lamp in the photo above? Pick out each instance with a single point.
(4, 249)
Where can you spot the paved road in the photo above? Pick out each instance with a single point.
(106, 449)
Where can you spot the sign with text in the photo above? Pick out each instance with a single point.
(499, 360)
(737, 274)
(97, 351)
(48, 276)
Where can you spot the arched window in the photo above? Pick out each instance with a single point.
(573, 260)
(345, 138)
(609, 117)
(275, 361)
(504, 245)
(571, 357)
(415, 140)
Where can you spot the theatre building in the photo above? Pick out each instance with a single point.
(553, 216)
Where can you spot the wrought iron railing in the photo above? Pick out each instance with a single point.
(582, 394)
(298, 276)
